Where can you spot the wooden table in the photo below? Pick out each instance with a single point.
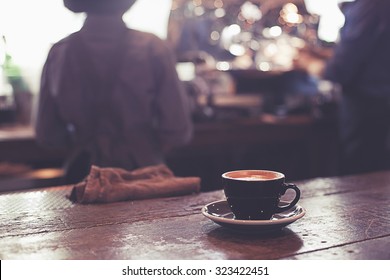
(347, 218)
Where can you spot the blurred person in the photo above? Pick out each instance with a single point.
(361, 65)
(110, 94)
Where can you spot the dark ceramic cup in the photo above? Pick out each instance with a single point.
(255, 194)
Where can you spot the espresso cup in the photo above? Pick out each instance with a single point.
(256, 194)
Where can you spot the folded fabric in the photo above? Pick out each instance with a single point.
(103, 185)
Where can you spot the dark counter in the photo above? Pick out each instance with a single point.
(299, 146)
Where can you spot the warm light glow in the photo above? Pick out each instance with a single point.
(250, 12)
(47, 173)
(186, 71)
(30, 31)
(275, 31)
(154, 20)
(218, 3)
(331, 18)
(290, 8)
(233, 30)
(290, 15)
(237, 49)
(220, 12)
(229, 33)
(197, 2)
(31, 27)
(215, 35)
(199, 11)
(293, 18)
(264, 66)
(271, 49)
(223, 66)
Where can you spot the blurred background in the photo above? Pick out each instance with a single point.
(253, 104)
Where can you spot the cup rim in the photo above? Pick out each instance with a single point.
(279, 174)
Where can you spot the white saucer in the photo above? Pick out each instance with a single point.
(220, 213)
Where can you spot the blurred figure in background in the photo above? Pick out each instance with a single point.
(361, 65)
(111, 94)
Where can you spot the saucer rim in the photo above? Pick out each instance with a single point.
(282, 221)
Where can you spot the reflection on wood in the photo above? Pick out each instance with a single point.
(345, 219)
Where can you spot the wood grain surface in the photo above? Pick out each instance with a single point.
(346, 218)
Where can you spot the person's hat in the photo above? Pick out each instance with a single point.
(98, 6)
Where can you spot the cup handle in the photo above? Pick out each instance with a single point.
(294, 201)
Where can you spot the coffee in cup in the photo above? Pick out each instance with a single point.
(256, 194)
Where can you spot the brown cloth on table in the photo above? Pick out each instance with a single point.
(104, 185)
